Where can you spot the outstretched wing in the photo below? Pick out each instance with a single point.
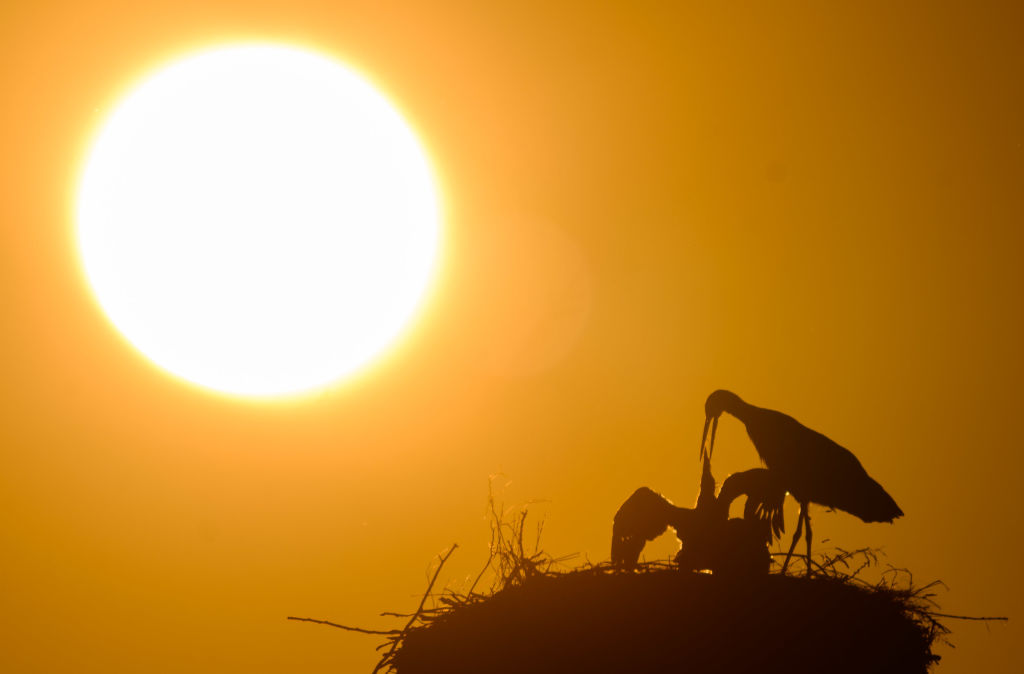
(643, 517)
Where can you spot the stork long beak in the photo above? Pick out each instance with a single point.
(704, 438)
(713, 423)
(714, 429)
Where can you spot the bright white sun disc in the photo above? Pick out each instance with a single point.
(258, 220)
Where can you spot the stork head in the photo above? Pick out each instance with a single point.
(718, 402)
(721, 401)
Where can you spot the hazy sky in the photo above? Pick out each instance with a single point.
(818, 206)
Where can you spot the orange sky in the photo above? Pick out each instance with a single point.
(819, 209)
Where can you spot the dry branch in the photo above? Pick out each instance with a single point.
(397, 637)
(345, 627)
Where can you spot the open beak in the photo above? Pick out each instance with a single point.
(714, 429)
(713, 422)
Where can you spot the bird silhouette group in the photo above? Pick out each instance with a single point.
(798, 461)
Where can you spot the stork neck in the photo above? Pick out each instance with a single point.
(682, 520)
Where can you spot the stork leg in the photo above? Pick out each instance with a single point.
(805, 509)
(796, 537)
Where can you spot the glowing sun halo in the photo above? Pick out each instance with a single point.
(258, 220)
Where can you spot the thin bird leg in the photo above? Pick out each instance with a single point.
(796, 537)
(704, 438)
(806, 508)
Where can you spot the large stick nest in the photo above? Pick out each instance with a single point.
(657, 618)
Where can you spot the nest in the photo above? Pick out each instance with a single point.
(537, 618)
(657, 618)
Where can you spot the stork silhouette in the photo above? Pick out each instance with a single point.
(710, 540)
(808, 465)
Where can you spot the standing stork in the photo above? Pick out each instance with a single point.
(810, 466)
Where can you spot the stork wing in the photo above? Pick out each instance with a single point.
(643, 517)
(764, 494)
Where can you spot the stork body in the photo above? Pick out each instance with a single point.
(810, 466)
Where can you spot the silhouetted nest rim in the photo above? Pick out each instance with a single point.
(843, 568)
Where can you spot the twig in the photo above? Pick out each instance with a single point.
(345, 627)
(396, 635)
(423, 599)
(969, 617)
(490, 556)
(395, 614)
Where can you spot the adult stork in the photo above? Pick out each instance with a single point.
(810, 466)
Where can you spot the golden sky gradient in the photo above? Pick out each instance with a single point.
(818, 206)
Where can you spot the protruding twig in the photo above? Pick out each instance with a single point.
(970, 617)
(491, 548)
(345, 627)
(423, 599)
(395, 638)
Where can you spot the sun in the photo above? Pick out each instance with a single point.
(258, 219)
